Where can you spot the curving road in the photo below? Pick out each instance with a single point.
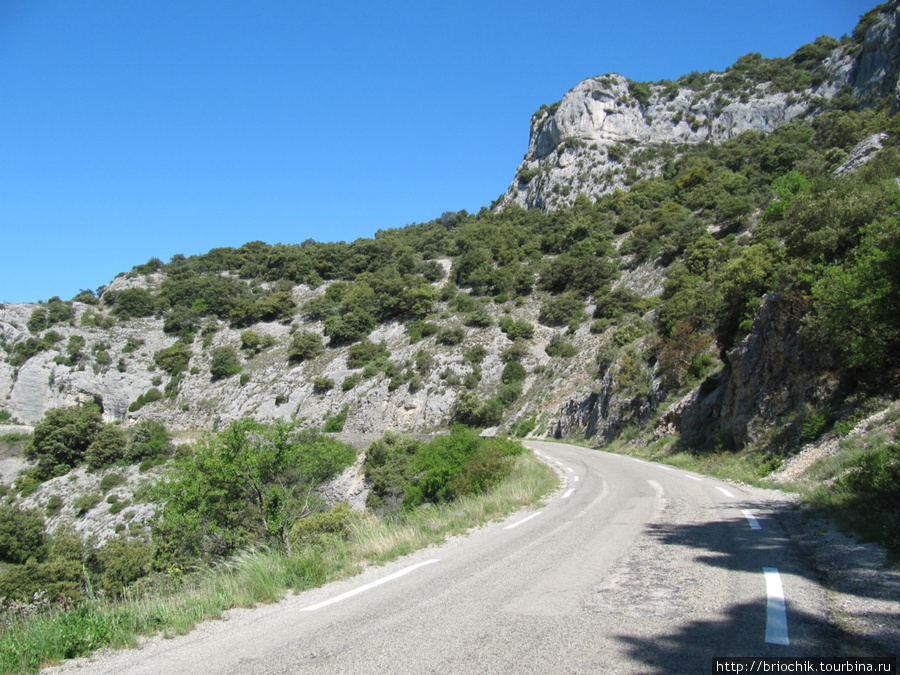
(632, 567)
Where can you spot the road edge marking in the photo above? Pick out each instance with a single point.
(369, 586)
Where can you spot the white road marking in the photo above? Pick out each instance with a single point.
(637, 460)
(664, 468)
(657, 488)
(724, 492)
(754, 523)
(570, 470)
(687, 475)
(568, 494)
(524, 520)
(576, 479)
(362, 589)
(776, 611)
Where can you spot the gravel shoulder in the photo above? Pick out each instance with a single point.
(863, 589)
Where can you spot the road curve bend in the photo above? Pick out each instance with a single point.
(630, 567)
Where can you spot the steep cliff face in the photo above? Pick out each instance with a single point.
(600, 137)
(767, 378)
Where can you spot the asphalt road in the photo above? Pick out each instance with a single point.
(632, 567)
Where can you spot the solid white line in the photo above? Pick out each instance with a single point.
(687, 475)
(568, 494)
(724, 492)
(524, 520)
(362, 589)
(754, 523)
(776, 612)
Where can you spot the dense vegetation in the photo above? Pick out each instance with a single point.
(725, 226)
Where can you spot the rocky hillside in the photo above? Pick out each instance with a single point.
(599, 137)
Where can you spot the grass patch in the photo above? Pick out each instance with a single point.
(175, 603)
(858, 488)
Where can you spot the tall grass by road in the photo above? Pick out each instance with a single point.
(176, 603)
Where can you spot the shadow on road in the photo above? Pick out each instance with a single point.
(692, 647)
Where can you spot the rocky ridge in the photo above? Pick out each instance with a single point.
(596, 139)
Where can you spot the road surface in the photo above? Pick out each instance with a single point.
(631, 567)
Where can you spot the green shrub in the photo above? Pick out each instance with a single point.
(476, 354)
(84, 503)
(122, 562)
(451, 336)
(559, 347)
(566, 309)
(524, 427)
(323, 528)
(150, 396)
(323, 384)
(173, 360)
(107, 448)
(335, 423)
(54, 505)
(421, 329)
(455, 465)
(118, 506)
(246, 486)
(366, 352)
(351, 381)
(513, 372)
(225, 362)
(815, 425)
(60, 440)
(111, 480)
(21, 534)
(305, 346)
(472, 411)
(131, 302)
(517, 351)
(514, 329)
(149, 438)
(479, 319)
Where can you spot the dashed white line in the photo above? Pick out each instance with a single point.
(687, 475)
(776, 611)
(754, 523)
(664, 468)
(566, 495)
(657, 488)
(724, 492)
(570, 470)
(524, 520)
(575, 479)
(362, 589)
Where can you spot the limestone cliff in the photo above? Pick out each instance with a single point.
(600, 137)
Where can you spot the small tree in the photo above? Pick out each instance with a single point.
(225, 362)
(21, 534)
(245, 486)
(61, 439)
(305, 346)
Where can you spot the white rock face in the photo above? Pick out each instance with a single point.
(591, 141)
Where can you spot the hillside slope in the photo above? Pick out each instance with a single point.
(705, 226)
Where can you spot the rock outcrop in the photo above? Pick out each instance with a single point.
(769, 375)
(600, 136)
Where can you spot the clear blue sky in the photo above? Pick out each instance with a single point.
(132, 129)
